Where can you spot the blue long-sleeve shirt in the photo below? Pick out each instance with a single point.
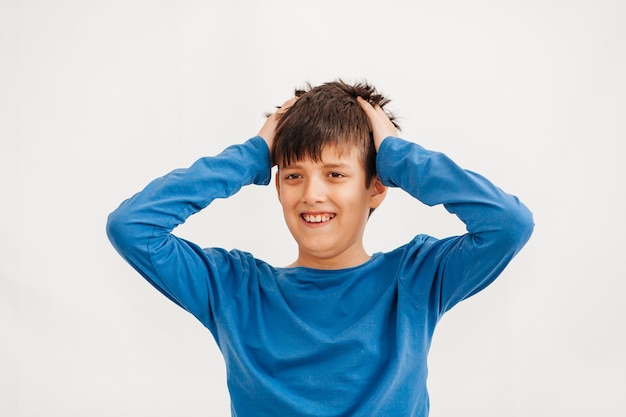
(306, 342)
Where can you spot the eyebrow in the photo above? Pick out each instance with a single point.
(325, 165)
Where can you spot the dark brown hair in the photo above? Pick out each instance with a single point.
(328, 114)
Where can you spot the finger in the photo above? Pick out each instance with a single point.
(381, 112)
(384, 117)
(375, 113)
(366, 106)
(286, 105)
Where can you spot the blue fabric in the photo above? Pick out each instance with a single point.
(306, 342)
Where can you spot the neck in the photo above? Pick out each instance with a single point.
(330, 263)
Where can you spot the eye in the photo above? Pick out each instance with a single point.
(336, 175)
(292, 176)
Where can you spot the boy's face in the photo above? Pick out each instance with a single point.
(326, 206)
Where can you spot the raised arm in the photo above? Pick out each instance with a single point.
(140, 229)
(498, 224)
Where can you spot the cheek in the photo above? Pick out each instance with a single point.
(286, 198)
(356, 197)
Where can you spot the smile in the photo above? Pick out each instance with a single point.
(317, 218)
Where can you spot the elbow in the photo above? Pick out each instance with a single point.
(129, 230)
(117, 228)
(507, 230)
(528, 224)
(114, 226)
(519, 226)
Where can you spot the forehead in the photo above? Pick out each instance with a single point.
(330, 155)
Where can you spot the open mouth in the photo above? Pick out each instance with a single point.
(317, 218)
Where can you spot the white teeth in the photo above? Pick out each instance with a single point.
(320, 218)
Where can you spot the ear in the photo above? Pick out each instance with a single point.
(378, 192)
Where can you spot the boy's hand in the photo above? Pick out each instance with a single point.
(379, 122)
(267, 131)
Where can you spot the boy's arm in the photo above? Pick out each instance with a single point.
(498, 224)
(140, 229)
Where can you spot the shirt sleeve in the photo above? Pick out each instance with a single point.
(140, 229)
(440, 273)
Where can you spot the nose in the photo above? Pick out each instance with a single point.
(314, 190)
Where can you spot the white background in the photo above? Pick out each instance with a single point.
(99, 97)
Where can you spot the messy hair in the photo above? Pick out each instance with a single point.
(328, 115)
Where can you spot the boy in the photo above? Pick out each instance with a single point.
(338, 332)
